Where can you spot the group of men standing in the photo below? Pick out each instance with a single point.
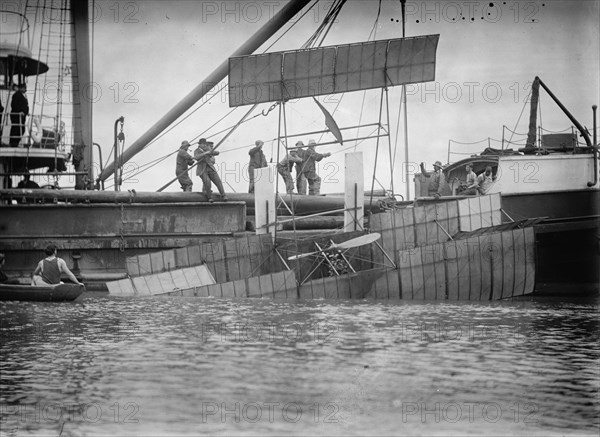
(205, 168)
(304, 160)
(473, 184)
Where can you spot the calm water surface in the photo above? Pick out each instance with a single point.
(178, 366)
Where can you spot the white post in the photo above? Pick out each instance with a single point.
(354, 192)
(264, 199)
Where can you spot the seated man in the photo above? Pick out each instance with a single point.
(485, 180)
(48, 270)
(27, 182)
(470, 187)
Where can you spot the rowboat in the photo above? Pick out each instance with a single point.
(56, 293)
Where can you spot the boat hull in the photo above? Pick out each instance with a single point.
(58, 293)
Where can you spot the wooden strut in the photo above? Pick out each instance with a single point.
(442, 228)
(506, 214)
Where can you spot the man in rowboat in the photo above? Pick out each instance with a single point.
(48, 270)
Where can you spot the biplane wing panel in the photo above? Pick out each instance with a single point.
(319, 71)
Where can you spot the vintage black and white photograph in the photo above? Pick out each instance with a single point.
(299, 217)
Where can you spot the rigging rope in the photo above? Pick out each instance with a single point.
(210, 98)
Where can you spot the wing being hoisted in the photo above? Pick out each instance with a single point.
(293, 74)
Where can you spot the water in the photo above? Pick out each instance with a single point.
(179, 366)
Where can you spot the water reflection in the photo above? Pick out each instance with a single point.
(193, 366)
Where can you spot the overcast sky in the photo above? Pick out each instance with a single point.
(147, 55)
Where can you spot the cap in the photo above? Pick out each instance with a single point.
(202, 141)
(259, 142)
(300, 143)
(437, 164)
(184, 144)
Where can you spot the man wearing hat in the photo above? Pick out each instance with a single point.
(284, 168)
(19, 109)
(184, 160)
(309, 168)
(300, 179)
(257, 160)
(436, 181)
(206, 170)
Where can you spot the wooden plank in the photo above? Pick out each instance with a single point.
(291, 284)
(417, 274)
(114, 287)
(246, 248)
(474, 268)
(202, 291)
(233, 258)
(498, 265)
(318, 288)
(338, 287)
(227, 289)
(133, 267)
(496, 204)
(154, 284)
(156, 262)
(408, 221)
(451, 261)
(393, 285)
(191, 276)
(508, 258)
(141, 287)
(386, 236)
(254, 287)
(169, 259)
(529, 260)
(475, 212)
(383, 288)
(181, 257)
(179, 279)
(485, 254)
(194, 255)
(520, 270)
(240, 289)
(166, 281)
(420, 226)
(431, 227)
(266, 285)
(144, 265)
(284, 285)
(214, 290)
(464, 216)
(441, 212)
(204, 275)
(405, 273)
(463, 267)
(453, 222)
(305, 291)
